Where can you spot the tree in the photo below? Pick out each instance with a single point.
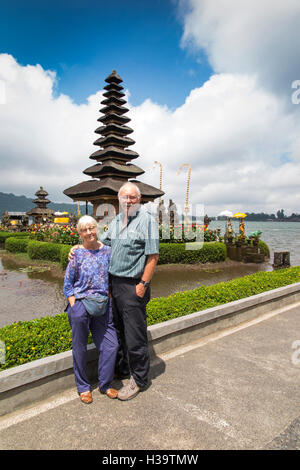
(280, 214)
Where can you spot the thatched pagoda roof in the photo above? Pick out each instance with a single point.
(114, 78)
(113, 167)
(40, 211)
(113, 99)
(41, 201)
(113, 139)
(114, 129)
(113, 152)
(114, 118)
(41, 192)
(108, 186)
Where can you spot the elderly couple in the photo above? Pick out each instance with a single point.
(117, 271)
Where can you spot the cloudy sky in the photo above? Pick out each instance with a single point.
(211, 83)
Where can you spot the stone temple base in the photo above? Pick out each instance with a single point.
(245, 253)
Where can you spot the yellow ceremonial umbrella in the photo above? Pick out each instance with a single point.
(240, 215)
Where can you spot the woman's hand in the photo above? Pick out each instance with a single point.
(71, 300)
(71, 252)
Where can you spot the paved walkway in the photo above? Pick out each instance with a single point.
(239, 389)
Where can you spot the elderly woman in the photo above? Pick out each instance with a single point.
(86, 281)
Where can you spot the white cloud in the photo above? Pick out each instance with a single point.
(257, 37)
(231, 131)
(44, 141)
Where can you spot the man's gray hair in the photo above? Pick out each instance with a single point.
(130, 185)
(86, 220)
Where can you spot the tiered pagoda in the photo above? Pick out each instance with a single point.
(113, 167)
(41, 213)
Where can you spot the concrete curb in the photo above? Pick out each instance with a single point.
(22, 385)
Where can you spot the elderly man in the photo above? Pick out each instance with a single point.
(134, 240)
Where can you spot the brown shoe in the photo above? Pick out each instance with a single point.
(111, 393)
(86, 397)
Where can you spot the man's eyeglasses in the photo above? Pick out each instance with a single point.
(132, 198)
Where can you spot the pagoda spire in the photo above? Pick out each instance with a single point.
(114, 140)
(41, 213)
(113, 157)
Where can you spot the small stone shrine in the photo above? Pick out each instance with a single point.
(281, 259)
(41, 214)
(113, 167)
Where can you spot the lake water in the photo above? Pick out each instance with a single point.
(25, 295)
(279, 236)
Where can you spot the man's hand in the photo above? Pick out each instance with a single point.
(140, 290)
(71, 252)
(151, 262)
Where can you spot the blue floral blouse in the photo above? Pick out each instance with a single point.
(87, 273)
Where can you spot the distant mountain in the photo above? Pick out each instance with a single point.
(12, 203)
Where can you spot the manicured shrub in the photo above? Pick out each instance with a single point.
(30, 340)
(64, 252)
(183, 303)
(16, 244)
(177, 253)
(44, 250)
(5, 235)
(168, 252)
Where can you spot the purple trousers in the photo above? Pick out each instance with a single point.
(105, 339)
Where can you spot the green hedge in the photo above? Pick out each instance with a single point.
(5, 235)
(169, 253)
(16, 244)
(184, 303)
(31, 340)
(39, 250)
(27, 341)
(64, 252)
(44, 250)
(177, 253)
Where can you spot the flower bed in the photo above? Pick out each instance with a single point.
(35, 339)
(54, 233)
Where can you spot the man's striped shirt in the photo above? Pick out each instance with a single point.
(131, 245)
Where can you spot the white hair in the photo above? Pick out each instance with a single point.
(85, 220)
(130, 185)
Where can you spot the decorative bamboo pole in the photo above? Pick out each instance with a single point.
(186, 209)
(160, 176)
